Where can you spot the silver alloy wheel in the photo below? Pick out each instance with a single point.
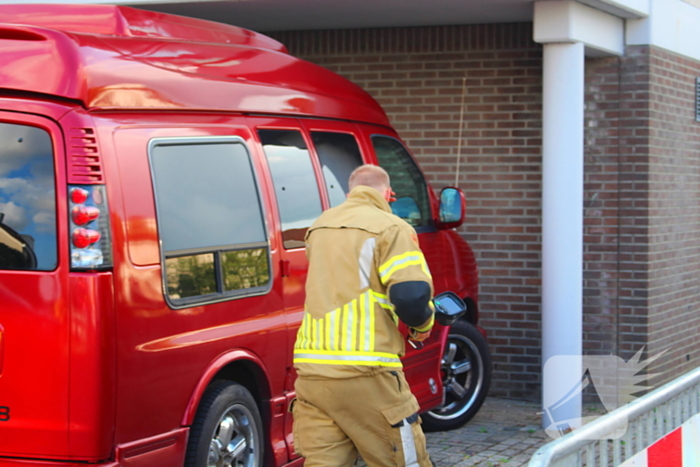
(463, 376)
(234, 442)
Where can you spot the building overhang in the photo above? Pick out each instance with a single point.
(289, 15)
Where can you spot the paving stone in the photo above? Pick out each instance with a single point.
(505, 433)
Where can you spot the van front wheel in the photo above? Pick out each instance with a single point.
(227, 430)
(466, 376)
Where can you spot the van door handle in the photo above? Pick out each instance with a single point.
(284, 266)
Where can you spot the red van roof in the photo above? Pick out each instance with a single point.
(115, 57)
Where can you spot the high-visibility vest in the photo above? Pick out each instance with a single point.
(356, 252)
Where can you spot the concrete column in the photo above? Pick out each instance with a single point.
(562, 227)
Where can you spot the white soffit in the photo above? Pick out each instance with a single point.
(292, 15)
(673, 25)
(568, 21)
(631, 9)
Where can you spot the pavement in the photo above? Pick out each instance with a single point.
(505, 433)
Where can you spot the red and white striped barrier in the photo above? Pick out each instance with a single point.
(680, 448)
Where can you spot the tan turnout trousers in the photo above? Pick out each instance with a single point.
(352, 396)
(374, 416)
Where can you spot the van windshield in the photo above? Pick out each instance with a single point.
(27, 199)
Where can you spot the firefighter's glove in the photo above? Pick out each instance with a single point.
(416, 335)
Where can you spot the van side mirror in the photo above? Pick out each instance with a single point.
(448, 308)
(453, 205)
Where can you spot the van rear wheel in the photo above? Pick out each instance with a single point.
(227, 430)
(466, 377)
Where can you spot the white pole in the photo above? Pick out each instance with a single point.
(562, 227)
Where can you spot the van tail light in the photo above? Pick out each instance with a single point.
(83, 238)
(90, 241)
(81, 215)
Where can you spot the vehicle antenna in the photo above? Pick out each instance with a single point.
(459, 137)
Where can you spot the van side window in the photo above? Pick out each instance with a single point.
(339, 155)
(412, 203)
(296, 190)
(27, 199)
(210, 219)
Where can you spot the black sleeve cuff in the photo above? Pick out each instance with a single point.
(410, 300)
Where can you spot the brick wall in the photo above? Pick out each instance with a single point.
(424, 77)
(642, 210)
(601, 273)
(674, 214)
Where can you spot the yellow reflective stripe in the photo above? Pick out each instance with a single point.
(307, 331)
(369, 301)
(337, 314)
(300, 335)
(363, 324)
(395, 259)
(428, 326)
(332, 319)
(348, 328)
(354, 324)
(347, 358)
(398, 262)
(327, 328)
(356, 353)
(321, 334)
(348, 362)
(384, 302)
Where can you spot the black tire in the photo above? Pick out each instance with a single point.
(466, 372)
(227, 430)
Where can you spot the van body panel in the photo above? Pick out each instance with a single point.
(36, 317)
(8, 462)
(109, 366)
(112, 72)
(129, 22)
(50, 108)
(92, 373)
(164, 449)
(154, 337)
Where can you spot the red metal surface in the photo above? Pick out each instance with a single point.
(35, 315)
(5, 462)
(97, 366)
(92, 375)
(119, 72)
(164, 449)
(129, 22)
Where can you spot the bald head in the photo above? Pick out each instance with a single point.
(371, 176)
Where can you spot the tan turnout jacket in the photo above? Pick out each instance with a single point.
(356, 251)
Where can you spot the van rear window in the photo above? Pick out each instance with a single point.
(210, 219)
(27, 199)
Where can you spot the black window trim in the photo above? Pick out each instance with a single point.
(216, 297)
(431, 221)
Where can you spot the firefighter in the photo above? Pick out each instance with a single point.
(366, 272)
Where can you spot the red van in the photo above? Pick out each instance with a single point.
(157, 176)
